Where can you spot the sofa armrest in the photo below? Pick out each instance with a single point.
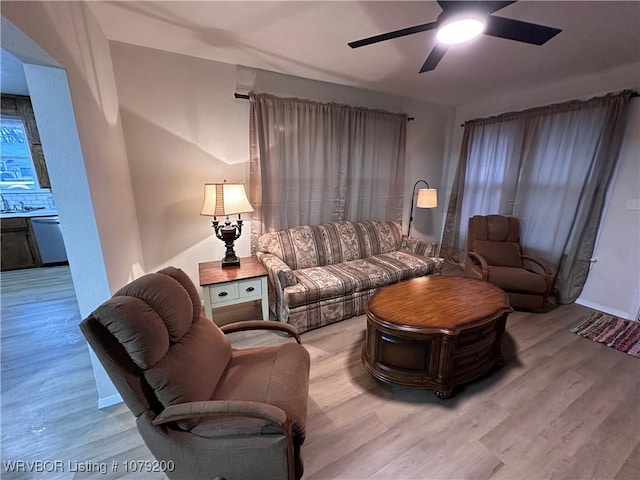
(261, 325)
(209, 408)
(280, 276)
(277, 269)
(418, 246)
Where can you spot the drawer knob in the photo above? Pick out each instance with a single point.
(223, 294)
(250, 289)
(476, 358)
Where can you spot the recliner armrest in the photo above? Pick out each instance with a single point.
(480, 259)
(209, 408)
(539, 262)
(484, 266)
(261, 325)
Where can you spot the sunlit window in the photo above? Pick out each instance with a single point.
(16, 165)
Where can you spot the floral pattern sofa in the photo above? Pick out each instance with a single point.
(323, 274)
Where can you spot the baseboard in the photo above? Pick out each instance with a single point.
(602, 308)
(108, 401)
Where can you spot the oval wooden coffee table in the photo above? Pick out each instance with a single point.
(435, 332)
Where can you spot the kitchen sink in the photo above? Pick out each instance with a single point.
(25, 209)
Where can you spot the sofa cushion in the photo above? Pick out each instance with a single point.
(378, 237)
(339, 242)
(298, 247)
(336, 242)
(332, 281)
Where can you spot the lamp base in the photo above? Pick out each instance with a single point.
(230, 262)
(229, 234)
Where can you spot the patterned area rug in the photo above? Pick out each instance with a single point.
(623, 335)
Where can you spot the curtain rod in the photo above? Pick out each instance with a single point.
(633, 95)
(244, 96)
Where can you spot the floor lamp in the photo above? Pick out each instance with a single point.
(427, 198)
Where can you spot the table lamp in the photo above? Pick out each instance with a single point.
(224, 199)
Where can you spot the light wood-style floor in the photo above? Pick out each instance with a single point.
(562, 408)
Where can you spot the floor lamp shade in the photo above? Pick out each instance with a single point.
(224, 199)
(427, 198)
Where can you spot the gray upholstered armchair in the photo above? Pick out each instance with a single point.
(494, 255)
(213, 410)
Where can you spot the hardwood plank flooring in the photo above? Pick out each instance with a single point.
(562, 407)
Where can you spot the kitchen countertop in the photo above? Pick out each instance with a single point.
(31, 213)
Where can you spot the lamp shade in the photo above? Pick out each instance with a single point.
(427, 198)
(222, 199)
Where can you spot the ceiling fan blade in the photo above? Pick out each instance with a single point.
(395, 34)
(519, 31)
(434, 57)
(482, 6)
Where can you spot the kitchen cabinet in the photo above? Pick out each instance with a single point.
(17, 244)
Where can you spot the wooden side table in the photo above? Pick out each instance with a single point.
(230, 286)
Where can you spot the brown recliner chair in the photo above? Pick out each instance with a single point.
(212, 410)
(494, 255)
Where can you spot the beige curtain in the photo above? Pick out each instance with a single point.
(548, 166)
(313, 163)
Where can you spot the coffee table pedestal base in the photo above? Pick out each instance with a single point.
(439, 360)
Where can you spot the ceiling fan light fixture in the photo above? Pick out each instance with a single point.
(460, 30)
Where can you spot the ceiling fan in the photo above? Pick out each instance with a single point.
(471, 18)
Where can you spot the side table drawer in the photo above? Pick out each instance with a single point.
(225, 287)
(250, 288)
(223, 293)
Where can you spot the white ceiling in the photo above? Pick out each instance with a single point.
(309, 39)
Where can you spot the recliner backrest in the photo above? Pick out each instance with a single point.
(159, 349)
(496, 238)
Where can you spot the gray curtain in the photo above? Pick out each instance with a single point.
(313, 163)
(548, 166)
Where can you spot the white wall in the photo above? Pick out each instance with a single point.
(617, 252)
(53, 110)
(89, 169)
(183, 127)
(578, 88)
(70, 34)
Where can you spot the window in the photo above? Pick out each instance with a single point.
(553, 165)
(17, 171)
